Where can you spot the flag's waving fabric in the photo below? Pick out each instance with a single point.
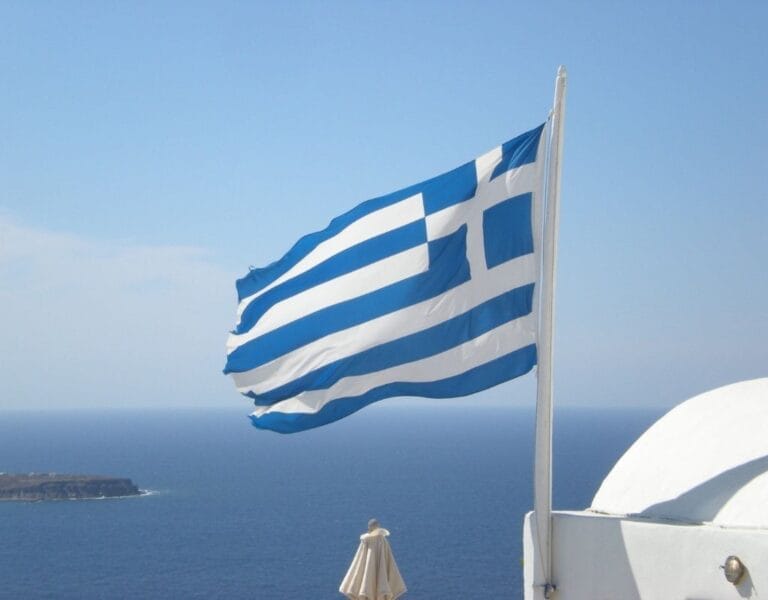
(424, 292)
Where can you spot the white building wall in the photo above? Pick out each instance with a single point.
(601, 557)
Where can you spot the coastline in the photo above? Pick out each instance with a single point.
(33, 487)
(141, 494)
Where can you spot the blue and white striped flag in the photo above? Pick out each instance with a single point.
(424, 292)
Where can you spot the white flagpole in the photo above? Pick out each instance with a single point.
(542, 477)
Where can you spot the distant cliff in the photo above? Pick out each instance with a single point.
(51, 486)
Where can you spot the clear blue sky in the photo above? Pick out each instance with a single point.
(151, 152)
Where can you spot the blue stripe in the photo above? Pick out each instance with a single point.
(455, 186)
(519, 151)
(428, 342)
(474, 380)
(351, 259)
(256, 279)
(450, 269)
(439, 192)
(508, 230)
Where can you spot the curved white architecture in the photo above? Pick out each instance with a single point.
(691, 492)
(706, 461)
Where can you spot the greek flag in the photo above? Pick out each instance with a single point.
(428, 291)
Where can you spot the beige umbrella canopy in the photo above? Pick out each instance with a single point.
(373, 574)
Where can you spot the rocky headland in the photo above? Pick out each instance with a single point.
(52, 486)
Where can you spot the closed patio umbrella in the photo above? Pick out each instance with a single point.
(373, 574)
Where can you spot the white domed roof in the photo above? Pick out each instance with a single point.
(704, 461)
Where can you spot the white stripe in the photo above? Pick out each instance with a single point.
(345, 343)
(521, 180)
(491, 345)
(485, 164)
(366, 227)
(351, 285)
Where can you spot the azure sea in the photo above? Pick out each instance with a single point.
(235, 512)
